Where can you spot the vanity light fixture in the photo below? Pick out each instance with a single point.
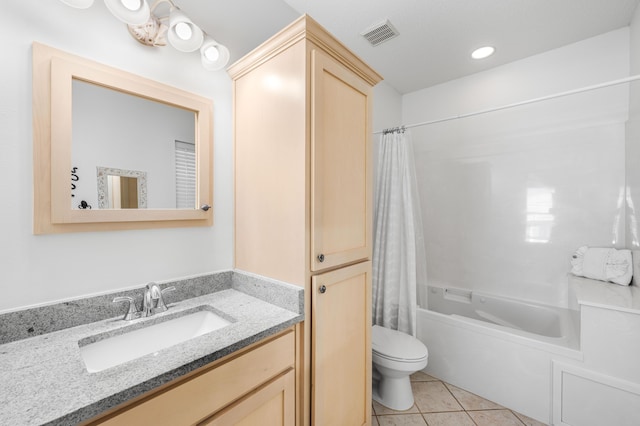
(483, 52)
(132, 12)
(154, 28)
(78, 4)
(214, 56)
(184, 35)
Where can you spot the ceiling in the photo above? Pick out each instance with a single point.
(436, 36)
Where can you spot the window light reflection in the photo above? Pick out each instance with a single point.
(291, 87)
(539, 217)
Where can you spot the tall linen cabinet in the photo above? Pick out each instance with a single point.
(303, 205)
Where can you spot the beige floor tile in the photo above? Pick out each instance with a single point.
(433, 397)
(422, 377)
(374, 421)
(528, 421)
(455, 418)
(402, 420)
(495, 418)
(470, 401)
(381, 410)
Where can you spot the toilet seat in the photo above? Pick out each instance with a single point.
(393, 345)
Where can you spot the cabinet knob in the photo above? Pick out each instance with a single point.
(321, 258)
(322, 289)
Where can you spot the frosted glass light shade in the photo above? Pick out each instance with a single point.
(179, 28)
(125, 14)
(78, 4)
(211, 61)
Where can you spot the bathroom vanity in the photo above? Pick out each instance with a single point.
(303, 215)
(237, 373)
(254, 386)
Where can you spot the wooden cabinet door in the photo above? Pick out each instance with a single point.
(272, 404)
(341, 346)
(341, 186)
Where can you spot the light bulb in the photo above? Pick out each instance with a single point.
(78, 4)
(184, 31)
(212, 53)
(132, 5)
(132, 12)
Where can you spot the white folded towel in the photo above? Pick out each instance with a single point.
(604, 264)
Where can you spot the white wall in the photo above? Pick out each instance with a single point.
(387, 107)
(508, 196)
(387, 112)
(633, 142)
(46, 268)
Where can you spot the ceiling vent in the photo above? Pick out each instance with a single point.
(380, 32)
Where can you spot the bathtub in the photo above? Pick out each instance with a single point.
(499, 348)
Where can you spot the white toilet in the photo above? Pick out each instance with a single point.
(396, 356)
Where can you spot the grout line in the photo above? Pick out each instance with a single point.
(454, 397)
(463, 409)
(490, 409)
(424, 418)
(518, 417)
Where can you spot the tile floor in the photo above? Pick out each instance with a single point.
(440, 404)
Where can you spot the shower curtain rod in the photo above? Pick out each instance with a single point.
(516, 104)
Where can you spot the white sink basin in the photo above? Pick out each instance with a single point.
(125, 347)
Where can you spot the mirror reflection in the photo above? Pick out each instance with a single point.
(149, 148)
(124, 192)
(121, 189)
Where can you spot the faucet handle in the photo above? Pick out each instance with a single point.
(161, 307)
(132, 311)
(167, 290)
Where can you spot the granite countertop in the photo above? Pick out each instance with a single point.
(44, 380)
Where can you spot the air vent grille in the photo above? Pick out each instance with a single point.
(379, 33)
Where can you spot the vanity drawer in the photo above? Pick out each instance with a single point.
(273, 404)
(197, 397)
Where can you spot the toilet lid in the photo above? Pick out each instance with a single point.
(396, 345)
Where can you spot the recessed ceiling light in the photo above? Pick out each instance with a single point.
(483, 52)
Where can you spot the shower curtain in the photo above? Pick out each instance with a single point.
(399, 261)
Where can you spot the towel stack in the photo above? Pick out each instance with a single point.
(604, 264)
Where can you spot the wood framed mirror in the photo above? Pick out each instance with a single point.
(65, 138)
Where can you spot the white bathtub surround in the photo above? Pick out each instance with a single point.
(511, 366)
(604, 264)
(605, 387)
(399, 261)
(513, 193)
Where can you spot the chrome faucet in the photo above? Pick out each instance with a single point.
(152, 302)
(132, 311)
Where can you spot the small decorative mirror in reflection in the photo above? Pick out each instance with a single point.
(121, 189)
